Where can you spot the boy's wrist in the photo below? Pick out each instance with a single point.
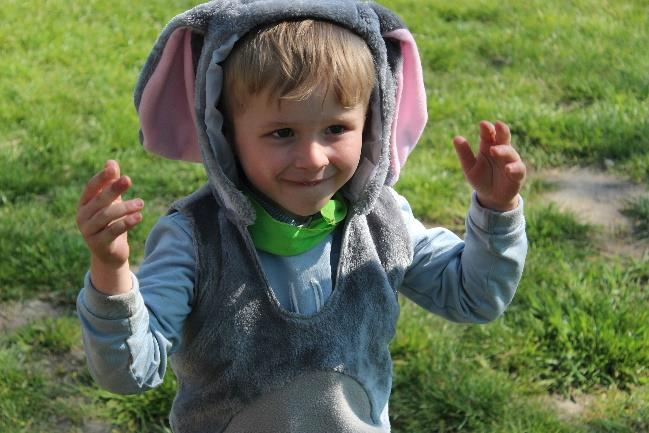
(110, 279)
(498, 206)
(496, 222)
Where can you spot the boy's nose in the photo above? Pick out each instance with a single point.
(311, 155)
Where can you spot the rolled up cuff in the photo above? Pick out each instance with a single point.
(122, 306)
(495, 222)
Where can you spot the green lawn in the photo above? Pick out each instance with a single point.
(571, 79)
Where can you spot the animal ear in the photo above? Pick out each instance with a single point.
(410, 114)
(166, 102)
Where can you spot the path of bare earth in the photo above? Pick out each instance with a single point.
(13, 315)
(598, 198)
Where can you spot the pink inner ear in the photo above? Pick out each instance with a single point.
(166, 108)
(410, 109)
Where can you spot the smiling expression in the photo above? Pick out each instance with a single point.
(299, 153)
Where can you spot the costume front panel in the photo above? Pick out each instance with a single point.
(256, 354)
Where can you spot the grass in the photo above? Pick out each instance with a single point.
(638, 210)
(41, 378)
(578, 325)
(569, 77)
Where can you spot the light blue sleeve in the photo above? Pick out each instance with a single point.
(128, 337)
(472, 280)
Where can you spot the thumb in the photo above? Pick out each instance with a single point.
(464, 153)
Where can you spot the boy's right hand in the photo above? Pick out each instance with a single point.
(103, 219)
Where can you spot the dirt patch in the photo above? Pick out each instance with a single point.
(598, 198)
(95, 426)
(16, 314)
(568, 409)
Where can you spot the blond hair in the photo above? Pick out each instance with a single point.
(291, 59)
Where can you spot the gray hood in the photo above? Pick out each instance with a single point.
(180, 84)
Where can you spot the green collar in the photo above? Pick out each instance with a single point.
(283, 239)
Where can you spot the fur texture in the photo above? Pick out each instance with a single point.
(239, 344)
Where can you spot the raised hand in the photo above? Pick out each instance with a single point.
(496, 172)
(103, 219)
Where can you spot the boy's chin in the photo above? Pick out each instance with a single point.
(304, 209)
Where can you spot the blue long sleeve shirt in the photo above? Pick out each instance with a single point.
(128, 337)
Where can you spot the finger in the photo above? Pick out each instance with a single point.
(109, 173)
(110, 214)
(108, 195)
(504, 153)
(124, 224)
(503, 136)
(487, 136)
(464, 153)
(516, 171)
(117, 228)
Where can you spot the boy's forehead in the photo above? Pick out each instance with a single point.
(318, 107)
(320, 101)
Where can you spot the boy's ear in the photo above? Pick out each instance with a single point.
(410, 99)
(166, 103)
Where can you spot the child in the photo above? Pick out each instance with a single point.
(273, 289)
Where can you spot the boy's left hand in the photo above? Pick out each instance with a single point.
(497, 171)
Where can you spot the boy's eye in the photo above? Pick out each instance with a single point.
(283, 133)
(335, 129)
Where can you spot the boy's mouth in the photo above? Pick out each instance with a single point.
(307, 182)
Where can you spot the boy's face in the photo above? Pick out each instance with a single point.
(299, 153)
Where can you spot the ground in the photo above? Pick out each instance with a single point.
(598, 197)
(16, 314)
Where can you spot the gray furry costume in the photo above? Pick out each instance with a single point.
(258, 368)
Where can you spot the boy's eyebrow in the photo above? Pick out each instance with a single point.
(277, 123)
(281, 125)
(343, 117)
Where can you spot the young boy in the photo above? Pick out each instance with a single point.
(273, 289)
